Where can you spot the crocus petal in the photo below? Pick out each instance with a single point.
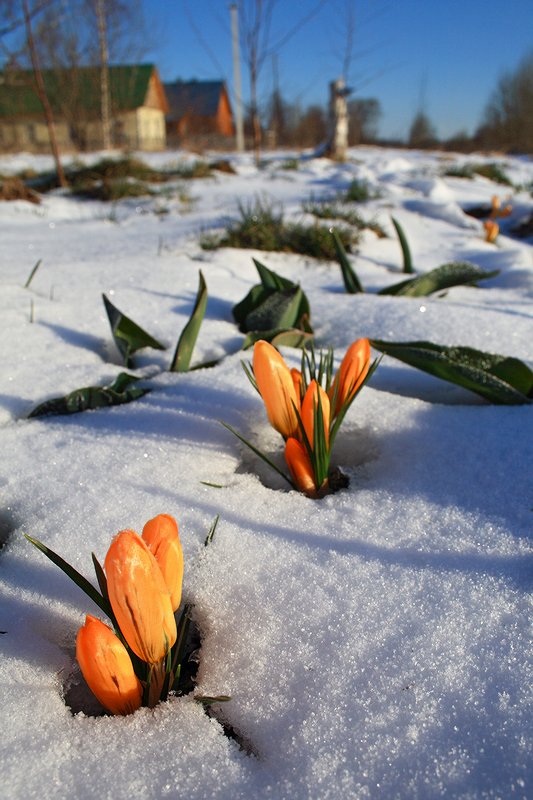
(107, 667)
(297, 381)
(276, 386)
(139, 597)
(300, 467)
(309, 404)
(161, 536)
(352, 372)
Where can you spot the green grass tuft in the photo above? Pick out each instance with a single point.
(261, 227)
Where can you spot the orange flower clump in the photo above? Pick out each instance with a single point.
(139, 597)
(276, 387)
(307, 406)
(107, 667)
(161, 536)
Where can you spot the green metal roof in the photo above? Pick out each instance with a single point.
(78, 87)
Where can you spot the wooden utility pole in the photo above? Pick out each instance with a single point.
(41, 93)
(239, 126)
(105, 101)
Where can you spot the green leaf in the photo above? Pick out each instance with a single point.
(211, 532)
(279, 310)
(92, 397)
(264, 306)
(73, 574)
(189, 335)
(351, 281)
(32, 274)
(406, 253)
(270, 279)
(499, 379)
(258, 452)
(207, 700)
(128, 336)
(254, 298)
(456, 273)
(279, 337)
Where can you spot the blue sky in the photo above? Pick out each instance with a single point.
(445, 55)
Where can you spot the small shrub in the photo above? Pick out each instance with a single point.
(290, 164)
(262, 227)
(492, 171)
(223, 165)
(357, 192)
(196, 169)
(316, 240)
(324, 209)
(258, 228)
(464, 171)
(15, 189)
(112, 190)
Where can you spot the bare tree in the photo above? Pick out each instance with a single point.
(363, 114)
(422, 134)
(21, 16)
(508, 117)
(258, 44)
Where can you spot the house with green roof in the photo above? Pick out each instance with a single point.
(138, 107)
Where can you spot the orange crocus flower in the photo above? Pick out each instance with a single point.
(300, 467)
(139, 597)
(309, 405)
(492, 230)
(276, 386)
(107, 667)
(161, 536)
(352, 372)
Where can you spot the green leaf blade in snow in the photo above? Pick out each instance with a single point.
(406, 252)
(90, 398)
(501, 380)
(129, 337)
(74, 575)
(279, 337)
(270, 279)
(279, 310)
(351, 281)
(270, 305)
(455, 273)
(184, 349)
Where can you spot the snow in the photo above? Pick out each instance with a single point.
(375, 643)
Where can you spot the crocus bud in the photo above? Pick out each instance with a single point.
(352, 372)
(309, 411)
(161, 536)
(276, 386)
(107, 668)
(139, 597)
(300, 467)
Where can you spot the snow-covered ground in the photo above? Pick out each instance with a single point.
(375, 643)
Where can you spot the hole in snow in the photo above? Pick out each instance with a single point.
(353, 448)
